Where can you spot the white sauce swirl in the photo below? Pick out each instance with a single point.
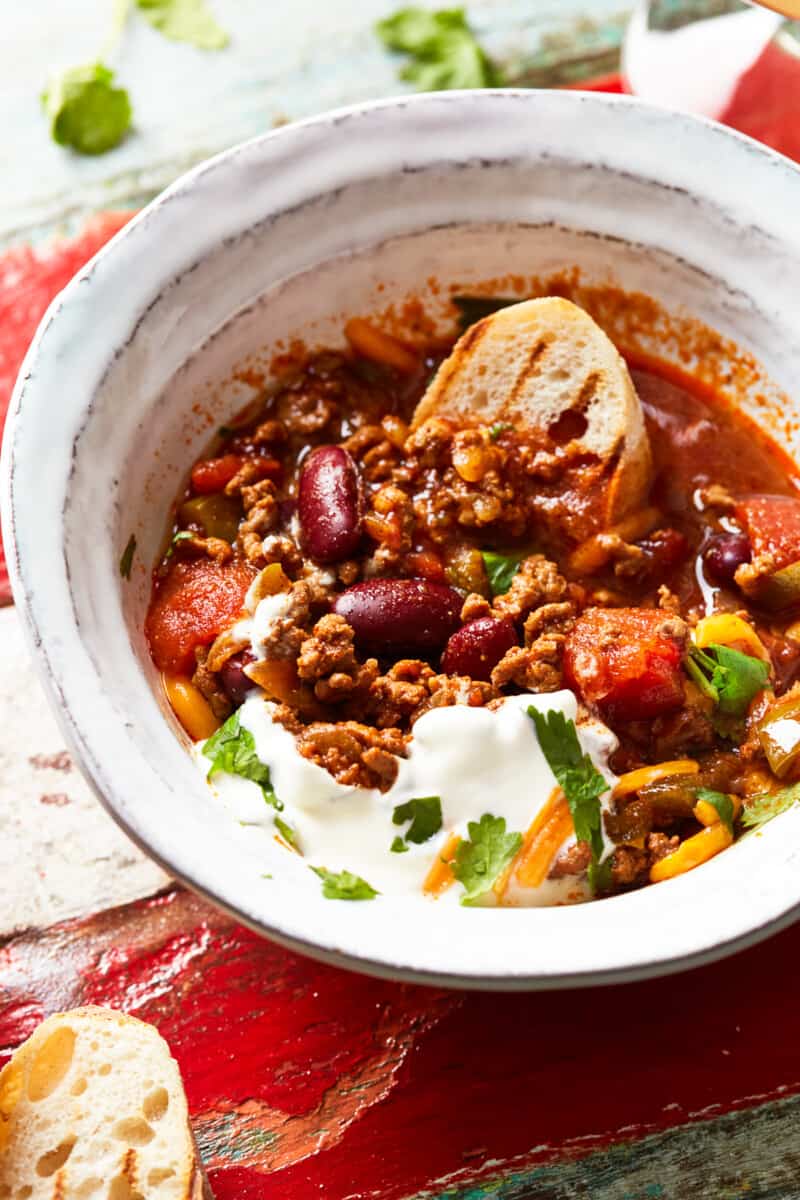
(476, 760)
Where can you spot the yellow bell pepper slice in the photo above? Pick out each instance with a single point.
(190, 707)
(691, 853)
(727, 629)
(633, 781)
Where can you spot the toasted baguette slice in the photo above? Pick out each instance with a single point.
(530, 364)
(92, 1108)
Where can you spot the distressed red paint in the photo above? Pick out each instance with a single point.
(29, 279)
(303, 1079)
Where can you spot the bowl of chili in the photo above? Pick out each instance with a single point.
(248, 559)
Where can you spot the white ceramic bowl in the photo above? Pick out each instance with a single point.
(132, 367)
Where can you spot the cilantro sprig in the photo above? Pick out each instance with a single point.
(728, 677)
(579, 780)
(501, 568)
(425, 815)
(483, 856)
(85, 110)
(760, 809)
(344, 885)
(443, 49)
(233, 749)
(721, 802)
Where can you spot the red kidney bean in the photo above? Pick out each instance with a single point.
(234, 682)
(478, 647)
(725, 553)
(400, 614)
(329, 505)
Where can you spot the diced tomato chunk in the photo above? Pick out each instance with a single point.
(213, 474)
(773, 525)
(196, 601)
(626, 661)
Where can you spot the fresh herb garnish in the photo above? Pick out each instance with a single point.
(181, 536)
(184, 21)
(501, 569)
(482, 858)
(126, 560)
(85, 110)
(233, 749)
(425, 815)
(579, 780)
(398, 846)
(498, 428)
(287, 833)
(728, 677)
(722, 803)
(474, 308)
(343, 885)
(760, 809)
(444, 51)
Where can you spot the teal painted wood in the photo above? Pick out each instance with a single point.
(285, 61)
(749, 1155)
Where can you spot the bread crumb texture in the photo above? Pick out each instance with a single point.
(92, 1108)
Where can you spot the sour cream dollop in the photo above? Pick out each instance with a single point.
(475, 759)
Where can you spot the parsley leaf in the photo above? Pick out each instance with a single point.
(185, 21)
(482, 859)
(425, 815)
(722, 803)
(126, 560)
(444, 51)
(728, 677)
(344, 885)
(85, 111)
(577, 776)
(498, 428)
(760, 809)
(233, 749)
(501, 569)
(398, 846)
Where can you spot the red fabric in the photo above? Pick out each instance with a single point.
(29, 279)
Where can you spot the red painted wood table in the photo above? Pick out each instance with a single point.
(307, 1081)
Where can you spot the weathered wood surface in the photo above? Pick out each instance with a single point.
(308, 1081)
(284, 61)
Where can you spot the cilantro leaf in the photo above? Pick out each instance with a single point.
(728, 677)
(722, 803)
(498, 428)
(126, 560)
(444, 51)
(760, 809)
(85, 111)
(501, 569)
(425, 815)
(233, 749)
(343, 885)
(474, 308)
(577, 776)
(398, 846)
(482, 859)
(185, 21)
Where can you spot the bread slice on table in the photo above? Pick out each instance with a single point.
(545, 367)
(92, 1108)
